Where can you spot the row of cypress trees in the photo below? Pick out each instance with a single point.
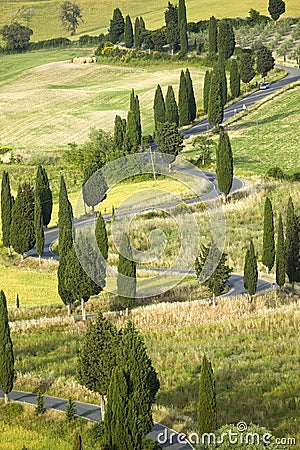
(24, 218)
(221, 38)
(120, 28)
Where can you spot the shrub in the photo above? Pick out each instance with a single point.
(40, 159)
(276, 173)
(96, 431)
(4, 149)
(10, 411)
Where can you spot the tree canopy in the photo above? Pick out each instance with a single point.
(16, 37)
(70, 16)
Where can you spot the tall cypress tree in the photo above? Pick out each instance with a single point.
(117, 26)
(215, 110)
(101, 236)
(22, 225)
(292, 244)
(183, 101)
(128, 33)
(119, 133)
(206, 89)
(224, 164)
(220, 69)
(131, 138)
(126, 281)
(250, 271)
(226, 39)
(7, 202)
(235, 81)
(159, 107)
(6, 351)
(171, 107)
(212, 36)
(38, 228)
(246, 63)
(138, 34)
(182, 23)
(172, 26)
(191, 96)
(207, 405)
(135, 108)
(268, 256)
(43, 191)
(280, 255)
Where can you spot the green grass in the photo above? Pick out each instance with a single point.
(43, 17)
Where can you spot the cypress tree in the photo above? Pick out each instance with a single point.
(171, 107)
(215, 110)
(43, 191)
(22, 233)
(183, 101)
(135, 108)
(292, 244)
(250, 271)
(206, 89)
(276, 8)
(246, 62)
(97, 356)
(143, 382)
(268, 256)
(38, 228)
(212, 36)
(101, 236)
(172, 26)
(131, 138)
(70, 410)
(235, 81)
(226, 39)
(126, 281)
(159, 107)
(142, 25)
(280, 255)
(40, 406)
(191, 96)
(128, 33)
(118, 433)
(182, 23)
(137, 33)
(169, 140)
(117, 26)
(119, 133)
(264, 60)
(224, 164)
(7, 202)
(207, 405)
(220, 69)
(77, 442)
(6, 351)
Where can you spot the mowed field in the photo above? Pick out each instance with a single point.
(48, 105)
(43, 16)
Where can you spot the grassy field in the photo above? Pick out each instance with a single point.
(250, 347)
(43, 17)
(46, 106)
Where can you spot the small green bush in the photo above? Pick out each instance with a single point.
(276, 173)
(40, 159)
(4, 149)
(10, 411)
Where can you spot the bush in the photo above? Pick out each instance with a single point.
(10, 411)
(276, 173)
(295, 176)
(96, 432)
(43, 159)
(4, 149)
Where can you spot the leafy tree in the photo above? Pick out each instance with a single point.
(268, 256)
(171, 107)
(97, 356)
(101, 236)
(16, 37)
(264, 60)
(159, 107)
(169, 140)
(131, 138)
(220, 69)
(246, 63)
(70, 410)
(203, 146)
(77, 442)
(250, 271)
(43, 191)
(215, 110)
(280, 255)
(126, 281)
(40, 406)
(22, 234)
(172, 29)
(39, 228)
(292, 244)
(191, 96)
(7, 202)
(6, 351)
(119, 132)
(128, 33)
(218, 277)
(235, 81)
(206, 89)
(212, 36)
(207, 404)
(226, 39)
(117, 26)
(276, 8)
(224, 164)
(183, 101)
(70, 16)
(135, 108)
(182, 23)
